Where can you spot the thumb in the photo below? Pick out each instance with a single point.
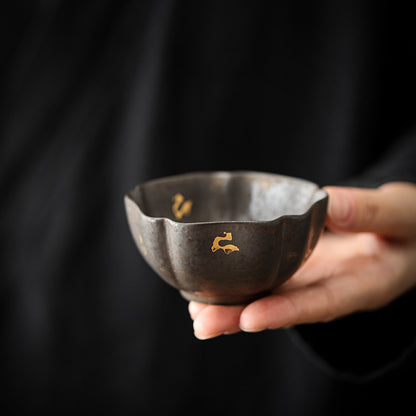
(389, 210)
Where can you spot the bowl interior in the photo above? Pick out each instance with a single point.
(224, 196)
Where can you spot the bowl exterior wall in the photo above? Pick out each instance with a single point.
(226, 263)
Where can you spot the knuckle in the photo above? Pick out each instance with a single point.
(368, 214)
(364, 210)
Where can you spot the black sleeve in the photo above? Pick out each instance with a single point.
(367, 344)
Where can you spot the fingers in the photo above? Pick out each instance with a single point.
(320, 302)
(389, 210)
(213, 320)
(315, 303)
(324, 288)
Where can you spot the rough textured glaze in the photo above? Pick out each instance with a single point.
(245, 233)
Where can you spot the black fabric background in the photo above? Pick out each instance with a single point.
(97, 96)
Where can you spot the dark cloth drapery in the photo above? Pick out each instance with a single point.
(99, 96)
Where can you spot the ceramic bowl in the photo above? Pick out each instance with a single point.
(226, 237)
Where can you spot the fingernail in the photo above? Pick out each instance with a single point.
(202, 337)
(202, 334)
(247, 328)
(246, 323)
(339, 207)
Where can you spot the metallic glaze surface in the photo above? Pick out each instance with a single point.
(223, 241)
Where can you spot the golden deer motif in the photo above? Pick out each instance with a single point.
(178, 210)
(229, 248)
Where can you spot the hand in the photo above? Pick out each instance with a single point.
(365, 260)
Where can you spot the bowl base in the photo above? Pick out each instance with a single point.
(222, 300)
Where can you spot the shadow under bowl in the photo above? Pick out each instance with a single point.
(226, 237)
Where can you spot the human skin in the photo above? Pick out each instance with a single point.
(365, 259)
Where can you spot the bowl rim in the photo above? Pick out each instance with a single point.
(321, 198)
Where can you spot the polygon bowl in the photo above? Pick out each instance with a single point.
(226, 237)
